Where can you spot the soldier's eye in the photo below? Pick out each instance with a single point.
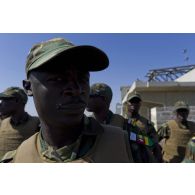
(55, 79)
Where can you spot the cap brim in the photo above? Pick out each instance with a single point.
(4, 96)
(181, 108)
(89, 57)
(134, 96)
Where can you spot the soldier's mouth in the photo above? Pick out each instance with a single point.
(73, 106)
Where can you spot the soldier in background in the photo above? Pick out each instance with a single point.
(16, 124)
(142, 134)
(58, 79)
(190, 152)
(99, 103)
(175, 134)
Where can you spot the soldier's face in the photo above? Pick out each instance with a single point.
(60, 96)
(8, 106)
(96, 103)
(134, 105)
(182, 114)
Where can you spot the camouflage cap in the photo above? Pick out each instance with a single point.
(92, 58)
(181, 105)
(134, 95)
(101, 89)
(12, 92)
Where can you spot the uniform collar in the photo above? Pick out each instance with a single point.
(134, 119)
(69, 152)
(182, 126)
(64, 154)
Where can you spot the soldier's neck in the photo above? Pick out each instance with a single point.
(101, 115)
(183, 122)
(61, 136)
(19, 116)
(134, 115)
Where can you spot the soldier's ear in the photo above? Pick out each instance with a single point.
(27, 87)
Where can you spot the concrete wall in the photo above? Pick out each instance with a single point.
(169, 98)
(161, 95)
(124, 90)
(160, 115)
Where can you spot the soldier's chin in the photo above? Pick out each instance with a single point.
(183, 119)
(89, 109)
(131, 111)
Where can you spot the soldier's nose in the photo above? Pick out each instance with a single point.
(73, 90)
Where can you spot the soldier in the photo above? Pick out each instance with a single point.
(58, 79)
(142, 134)
(175, 134)
(99, 103)
(190, 152)
(16, 124)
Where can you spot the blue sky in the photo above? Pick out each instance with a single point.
(131, 56)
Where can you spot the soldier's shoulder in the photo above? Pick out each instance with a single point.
(170, 122)
(146, 121)
(164, 125)
(149, 122)
(5, 120)
(113, 129)
(143, 119)
(191, 122)
(8, 157)
(118, 117)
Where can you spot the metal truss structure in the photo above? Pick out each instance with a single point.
(168, 74)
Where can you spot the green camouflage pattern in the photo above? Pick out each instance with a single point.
(190, 152)
(163, 131)
(14, 92)
(134, 95)
(101, 89)
(64, 154)
(91, 57)
(181, 105)
(143, 127)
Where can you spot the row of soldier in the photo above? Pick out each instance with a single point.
(57, 77)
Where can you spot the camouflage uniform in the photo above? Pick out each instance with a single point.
(190, 152)
(174, 136)
(103, 90)
(12, 134)
(143, 138)
(94, 145)
(97, 143)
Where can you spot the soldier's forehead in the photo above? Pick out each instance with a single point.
(58, 71)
